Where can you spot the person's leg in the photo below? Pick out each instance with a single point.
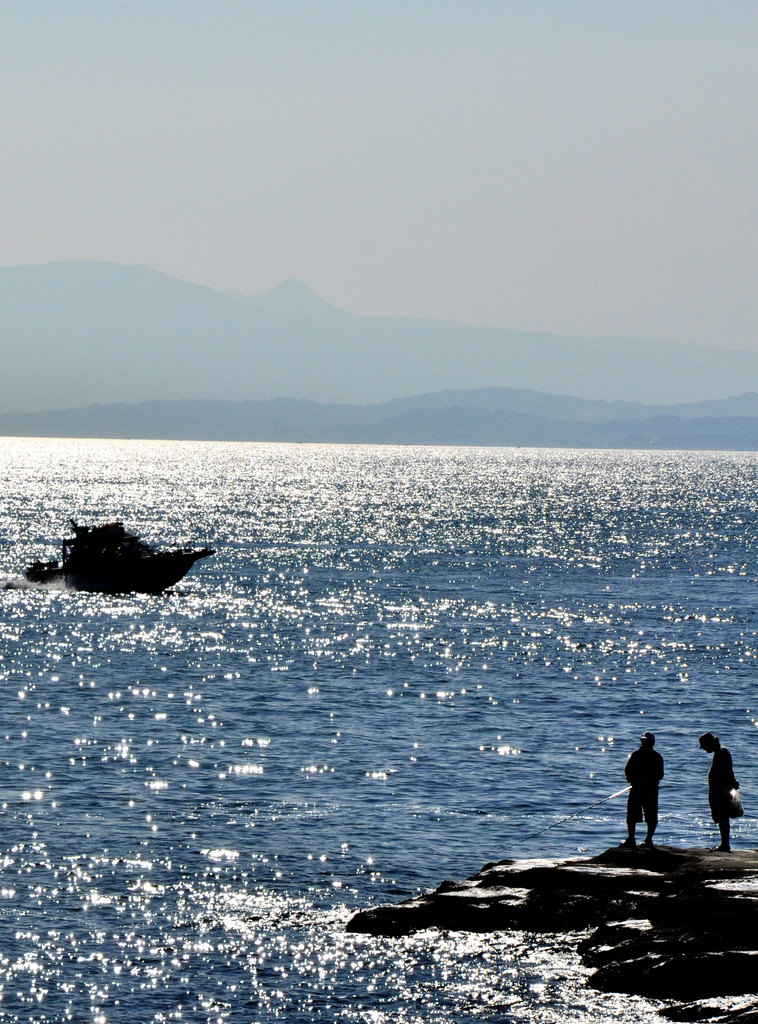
(650, 807)
(630, 828)
(724, 828)
(633, 815)
(652, 825)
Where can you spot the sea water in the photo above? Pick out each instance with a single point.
(400, 663)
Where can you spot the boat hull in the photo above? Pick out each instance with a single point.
(150, 575)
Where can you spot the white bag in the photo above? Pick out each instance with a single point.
(736, 810)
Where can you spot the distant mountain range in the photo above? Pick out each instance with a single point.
(72, 334)
(489, 416)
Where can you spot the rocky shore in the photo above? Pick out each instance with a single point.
(667, 923)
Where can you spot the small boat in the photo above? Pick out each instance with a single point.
(108, 559)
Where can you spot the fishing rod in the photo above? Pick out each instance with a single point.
(570, 816)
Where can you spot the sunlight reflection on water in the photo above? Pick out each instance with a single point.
(400, 663)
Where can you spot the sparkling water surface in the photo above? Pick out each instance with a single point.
(401, 663)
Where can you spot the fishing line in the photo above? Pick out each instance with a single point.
(570, 816)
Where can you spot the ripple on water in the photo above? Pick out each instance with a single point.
(401, 664)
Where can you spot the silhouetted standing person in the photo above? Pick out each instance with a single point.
(644, 770)
(721, 787)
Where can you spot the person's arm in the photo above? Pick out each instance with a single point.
(735, 783)
(726, 768)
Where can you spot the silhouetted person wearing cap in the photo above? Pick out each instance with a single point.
(721, 783)
(644, 770)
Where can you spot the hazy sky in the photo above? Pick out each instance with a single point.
(573, 166)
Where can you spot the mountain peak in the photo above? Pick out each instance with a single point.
(297, 299)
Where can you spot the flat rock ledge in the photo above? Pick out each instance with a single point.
(668, 923)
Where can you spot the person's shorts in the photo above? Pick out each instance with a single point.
(642, 803)
(720, 805)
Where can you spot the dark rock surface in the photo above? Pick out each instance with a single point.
(668, 923)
